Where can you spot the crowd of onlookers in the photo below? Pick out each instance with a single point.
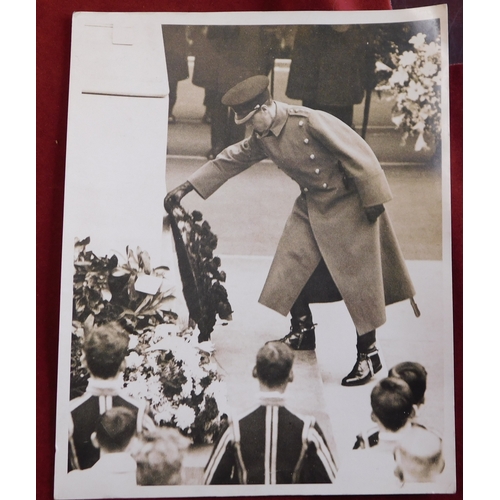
(330, 68)
(114, 444)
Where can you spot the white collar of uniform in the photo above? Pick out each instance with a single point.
(272, 398)
(120, 462)
(393, 437)
(104, 387)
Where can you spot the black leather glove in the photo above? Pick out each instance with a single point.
(373, 213)
(175, 196)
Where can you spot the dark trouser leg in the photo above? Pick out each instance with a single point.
(302, 335)
(172, 100)
(367, 363)
(319, 288)
(218, 126)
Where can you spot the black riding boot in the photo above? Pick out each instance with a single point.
(367, 363)
(302, 335)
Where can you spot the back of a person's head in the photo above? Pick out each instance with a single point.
(392, 403)
(159, 457)
(415, 375)
(115, 428)
(105, 348)
(419, 455)
(274, 363)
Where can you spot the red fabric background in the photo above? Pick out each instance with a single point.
(53, 55)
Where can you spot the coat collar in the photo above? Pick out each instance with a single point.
(279, 120)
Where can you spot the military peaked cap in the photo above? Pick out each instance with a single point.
(247, 97)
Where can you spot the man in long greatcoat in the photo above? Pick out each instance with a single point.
(338, 242)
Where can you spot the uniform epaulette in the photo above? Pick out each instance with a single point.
(299, 111)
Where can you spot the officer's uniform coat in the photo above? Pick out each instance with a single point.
(338, 175)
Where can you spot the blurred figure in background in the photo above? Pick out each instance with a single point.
(176, 53)
(159, 457)
(225, 56)
(419, 456)
(328, 69)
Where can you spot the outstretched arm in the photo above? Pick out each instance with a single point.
(175, 196)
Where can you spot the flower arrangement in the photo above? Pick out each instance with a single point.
(415, 81)
(166, 364)
(179, 378)
(200, 270)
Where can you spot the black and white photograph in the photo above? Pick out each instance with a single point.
(256, 286)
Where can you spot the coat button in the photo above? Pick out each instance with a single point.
(306, 141)
(301, 123)
(305, 190)
(312, 157)
(325, 185)
(316, 171)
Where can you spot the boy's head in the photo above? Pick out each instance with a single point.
(419, 456)
(415, 375)
(274, 364)
(159, 458)
(105, 348)
(114, 430)
(392, 403)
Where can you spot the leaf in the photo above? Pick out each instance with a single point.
(120, 271)
(145, 260)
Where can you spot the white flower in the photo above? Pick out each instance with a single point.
(421, 144)
(431, 49)
(380, 66)
(398, 77)
(184, 416)
(138, 387)
(165, 330)
(419, 126)
(415, 90)
(151, 360)
(207, 346)
(418, 41)
(397, 120)
(134, 360)
(408, 58)
(164, 415)
(429, 68)
(79, 332)
(186, 389)
(218, 390)
(133, 341)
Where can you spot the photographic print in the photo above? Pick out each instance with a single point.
(256, 269)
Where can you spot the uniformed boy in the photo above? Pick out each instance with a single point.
(338, 242)
(270, 444)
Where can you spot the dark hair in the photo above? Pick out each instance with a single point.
(274, 362)
(115, 428)
(415, 375)
(105, 348)
(392, 403)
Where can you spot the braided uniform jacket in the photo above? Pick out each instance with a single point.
(271, 445)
